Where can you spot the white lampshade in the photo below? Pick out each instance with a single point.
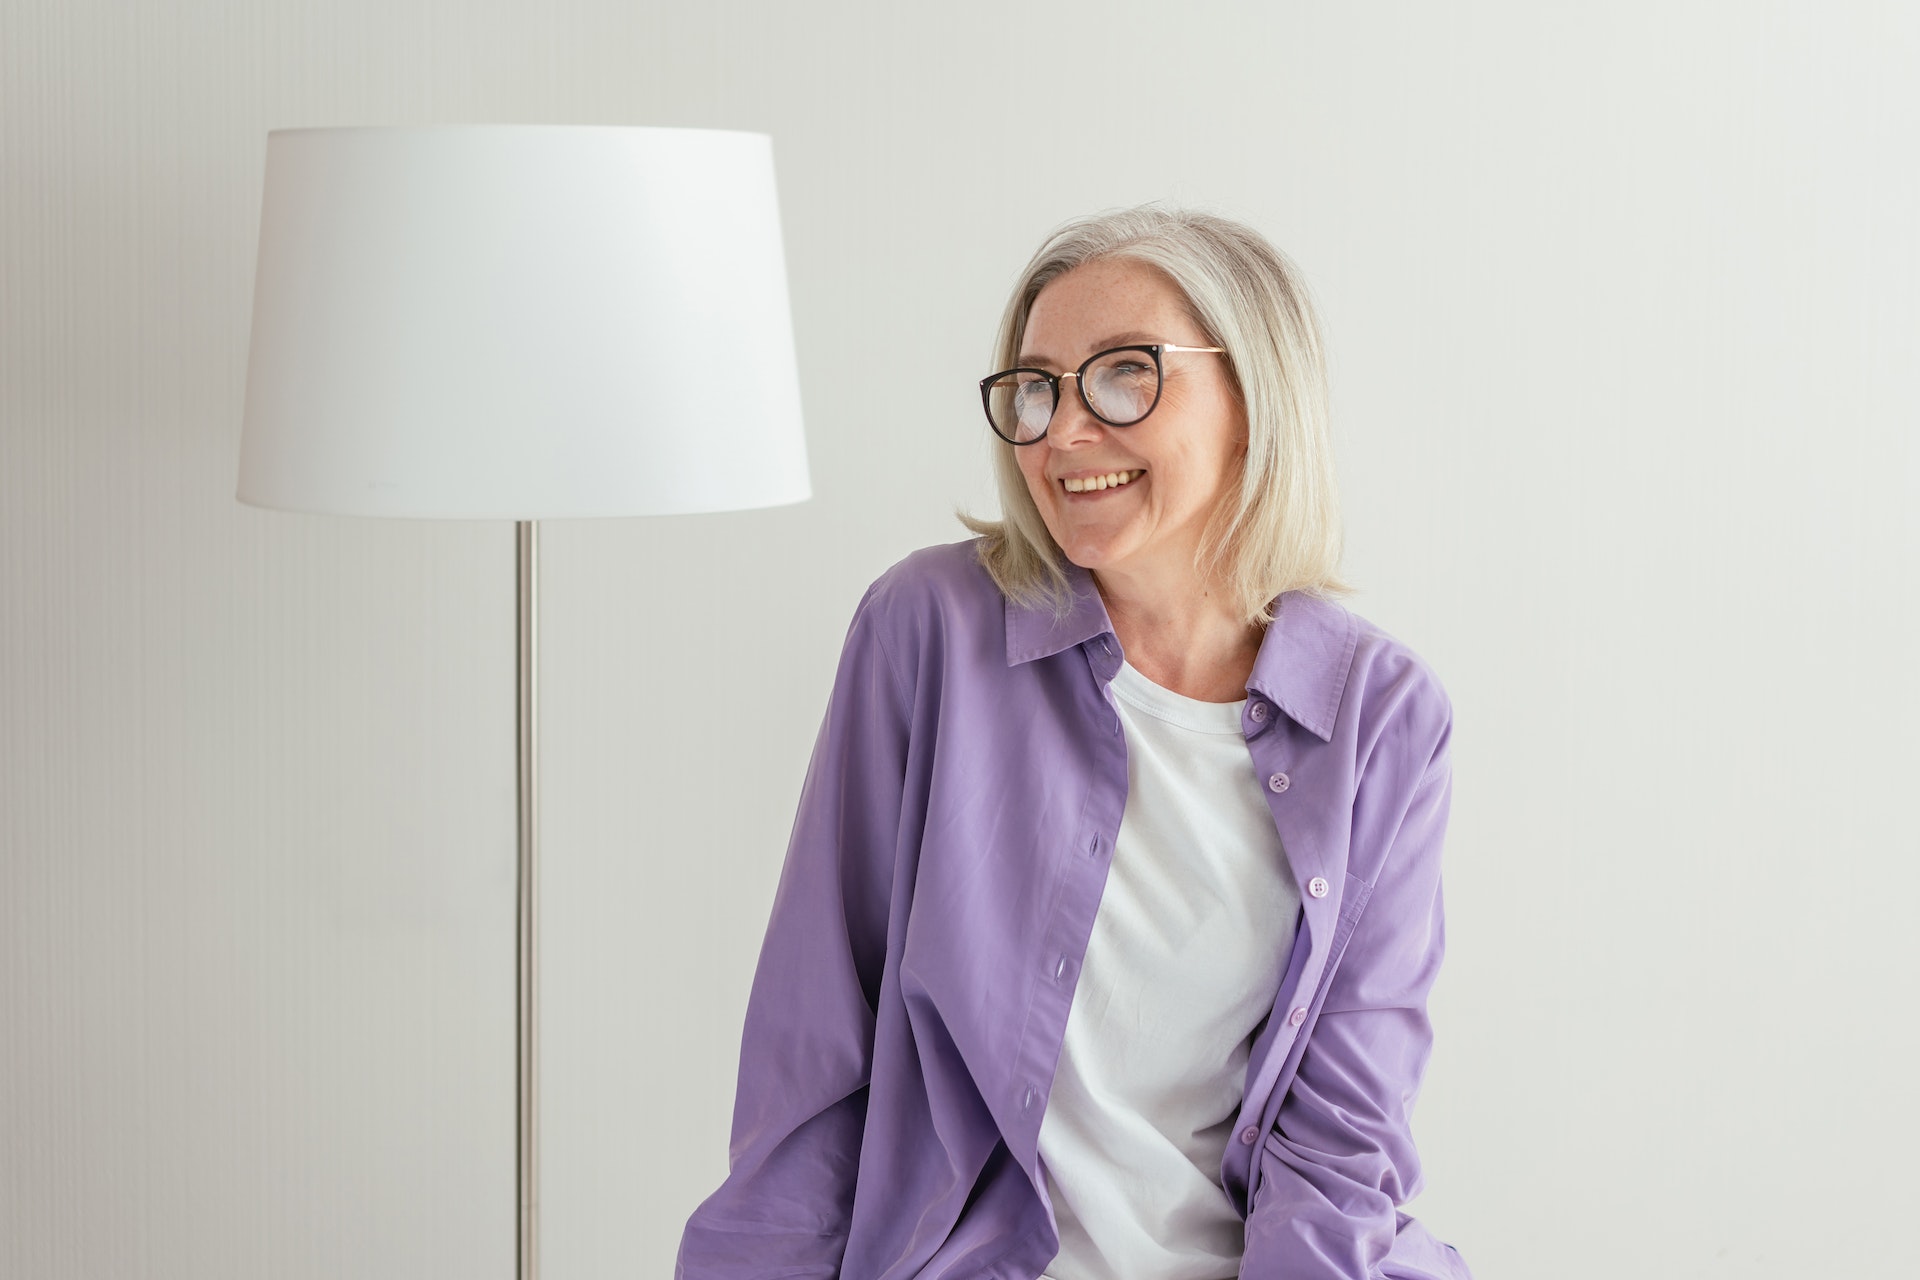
(521, 322)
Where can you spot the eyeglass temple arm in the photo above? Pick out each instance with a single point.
(1164, 346)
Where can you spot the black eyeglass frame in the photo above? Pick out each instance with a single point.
(1080, 384)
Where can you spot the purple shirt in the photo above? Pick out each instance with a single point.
(946, 862)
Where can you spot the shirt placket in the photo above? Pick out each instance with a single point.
(1079, 882)
(1308, 863)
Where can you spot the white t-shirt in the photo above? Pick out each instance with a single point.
(1193, 930)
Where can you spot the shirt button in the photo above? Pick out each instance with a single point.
(1027, 1101)
(1093, 845)
(1258, 711)
(1248, 1134)
(1317, 887)
(1060, 968)
(1278, 782)
(1297, 1017)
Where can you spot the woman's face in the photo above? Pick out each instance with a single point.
(1185, 456)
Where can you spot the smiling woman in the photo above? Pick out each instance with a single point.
(1230, 292)
(1103, 942)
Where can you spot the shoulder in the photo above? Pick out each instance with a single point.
(1395, 701)
(938, 618)
(933, 590)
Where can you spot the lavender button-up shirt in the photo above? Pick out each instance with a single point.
(939, 889)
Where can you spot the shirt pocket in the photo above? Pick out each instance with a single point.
(1353, 900)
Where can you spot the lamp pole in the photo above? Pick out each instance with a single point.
(527, 753)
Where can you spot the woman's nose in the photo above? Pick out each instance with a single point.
(1072, 423)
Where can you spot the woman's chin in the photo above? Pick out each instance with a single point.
(1098, 540)
(1092, 554)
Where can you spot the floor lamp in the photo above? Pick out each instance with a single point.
(521, 322)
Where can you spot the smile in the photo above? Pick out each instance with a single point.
(1111, 480)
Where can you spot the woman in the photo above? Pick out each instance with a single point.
(1104, 938)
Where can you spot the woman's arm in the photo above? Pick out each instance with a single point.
(1341, 1158)
(806, 1051)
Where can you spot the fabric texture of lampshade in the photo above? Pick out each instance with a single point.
(521, 322)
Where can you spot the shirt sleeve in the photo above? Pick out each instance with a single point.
(807, 1048)
(1340, 1159)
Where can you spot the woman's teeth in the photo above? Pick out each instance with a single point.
(1112, 480)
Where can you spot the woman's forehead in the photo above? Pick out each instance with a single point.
(1113, 299)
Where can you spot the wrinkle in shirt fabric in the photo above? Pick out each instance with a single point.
(948, 853)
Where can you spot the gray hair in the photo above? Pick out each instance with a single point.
(1283, 533)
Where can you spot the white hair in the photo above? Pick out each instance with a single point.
(1283, 531)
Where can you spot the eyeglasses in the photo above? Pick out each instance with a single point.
(1119, 386)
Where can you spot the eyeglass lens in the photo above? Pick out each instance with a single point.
(1120, 387)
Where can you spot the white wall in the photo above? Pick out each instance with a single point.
(1621, 300)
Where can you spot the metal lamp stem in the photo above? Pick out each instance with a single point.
(527, 752)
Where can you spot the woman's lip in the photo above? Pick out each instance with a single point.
(1089, 495)
(1088, 475)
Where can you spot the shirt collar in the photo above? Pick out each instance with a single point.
(1301, 667)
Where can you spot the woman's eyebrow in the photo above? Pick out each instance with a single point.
(1129, 339)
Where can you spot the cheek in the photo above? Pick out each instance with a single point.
(1036, 477)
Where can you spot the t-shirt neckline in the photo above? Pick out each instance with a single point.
(1176, 708)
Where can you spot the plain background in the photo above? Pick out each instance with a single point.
(1621, 301)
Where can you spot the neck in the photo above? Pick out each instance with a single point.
(1181, 633)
